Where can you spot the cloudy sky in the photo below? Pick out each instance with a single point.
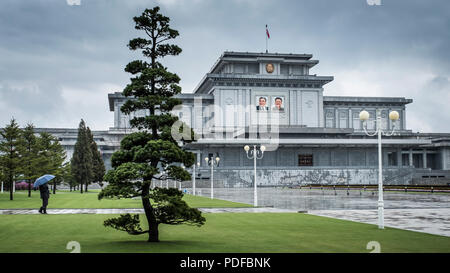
(58, 61)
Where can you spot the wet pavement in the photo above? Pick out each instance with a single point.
(434, 221)
(423, 212)
(316, 199)
(123, 211)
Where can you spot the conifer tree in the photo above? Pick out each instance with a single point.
(97, 161)
(144, 155)
(51, 157)
(30, 158)
(81, 163)
(10, 153)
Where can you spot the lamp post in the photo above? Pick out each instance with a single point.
(255, 154)
(213, 161)
(364, 116)
(193, 177)
(175, 182)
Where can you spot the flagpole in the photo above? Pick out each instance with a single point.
(266, 39)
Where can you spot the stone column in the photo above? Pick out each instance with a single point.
(410, 157)
(399, 157)
(385, 158)
(350, 118)
(336, 118)
(424, 155)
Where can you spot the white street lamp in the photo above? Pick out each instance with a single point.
(255, 154)
(213, 161)
(364, 116)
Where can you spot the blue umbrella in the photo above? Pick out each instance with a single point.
(43, 179)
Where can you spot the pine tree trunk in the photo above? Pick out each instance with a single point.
(86, 187)
(81, 187)
(54, 188)
(11, 190)
(153, 234)
(29, 188)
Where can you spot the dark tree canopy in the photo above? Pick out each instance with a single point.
(82, 163)
(151, 153)
(98, 167)
(30, 156)
(51, 156)
(27, 156)
(10, 154)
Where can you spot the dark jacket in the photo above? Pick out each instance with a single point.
(45, 193)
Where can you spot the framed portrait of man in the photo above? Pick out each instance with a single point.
(261, 103)
(278, 103)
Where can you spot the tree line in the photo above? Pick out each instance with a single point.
(26, 155)
(86, 164)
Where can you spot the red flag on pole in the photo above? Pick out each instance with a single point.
(267, 32)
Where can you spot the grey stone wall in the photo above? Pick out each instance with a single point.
(288, 157)
(228, 177)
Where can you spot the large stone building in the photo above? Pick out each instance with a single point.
(317, 138)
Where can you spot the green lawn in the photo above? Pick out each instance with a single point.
(66, 200)
(223, 232)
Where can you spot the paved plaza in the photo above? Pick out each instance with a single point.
(316, 199)
(423, 212)
(123, 211)
(434, 221)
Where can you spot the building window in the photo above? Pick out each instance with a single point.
(284, 69)
(343, 118)
(405, 159)
(253, 68)
(305, 160)
(239, 68)
(296, 70)
(356, 121)
(329, 119)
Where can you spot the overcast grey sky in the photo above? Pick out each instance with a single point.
(58, 62)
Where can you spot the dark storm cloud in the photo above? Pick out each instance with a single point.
(59, 53)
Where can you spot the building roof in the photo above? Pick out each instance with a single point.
(377, 100)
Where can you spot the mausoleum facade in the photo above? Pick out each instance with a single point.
(273, 99)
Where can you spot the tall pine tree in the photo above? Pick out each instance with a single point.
(68, 177)
(145, 154)
(30, 160)
(10, 153)
(51, 157)
(97, 161)
(81, 163)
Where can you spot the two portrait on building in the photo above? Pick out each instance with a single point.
(272, 103)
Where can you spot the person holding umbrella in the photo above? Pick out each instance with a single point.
(41, 182)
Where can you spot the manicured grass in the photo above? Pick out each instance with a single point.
(66, 200)
(223, 232)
